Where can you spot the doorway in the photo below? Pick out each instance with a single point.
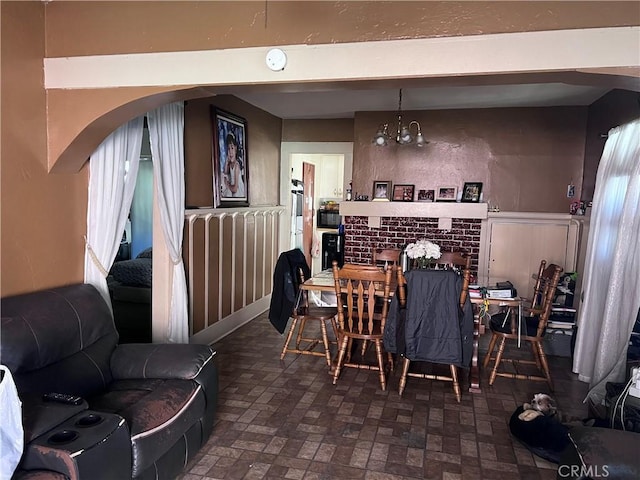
(333, 163)
(131, 275)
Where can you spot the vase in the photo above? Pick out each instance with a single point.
(423, 263)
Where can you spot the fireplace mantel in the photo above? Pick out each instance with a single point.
(414, 209)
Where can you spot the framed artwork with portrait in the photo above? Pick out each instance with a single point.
(471, 192)
(230, 160)
(381, 191)
(403, 193)
(447, 194)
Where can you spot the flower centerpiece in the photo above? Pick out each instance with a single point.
(423, 252)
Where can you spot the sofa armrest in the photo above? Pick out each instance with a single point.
(38, 475)
(39, 416)
(189, 362)
(184, 361)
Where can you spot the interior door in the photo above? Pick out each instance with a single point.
(308, 178)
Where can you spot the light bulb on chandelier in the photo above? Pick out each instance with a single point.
(403, 134)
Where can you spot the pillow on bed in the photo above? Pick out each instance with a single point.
(135, 273)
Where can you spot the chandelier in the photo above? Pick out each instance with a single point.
(403, 134)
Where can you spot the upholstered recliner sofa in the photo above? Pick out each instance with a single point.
(146, 409)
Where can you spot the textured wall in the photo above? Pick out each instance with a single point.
(525, 157)
(127, 27)
(325, 130)
(43, 216)
(47, 249)
(263, 148)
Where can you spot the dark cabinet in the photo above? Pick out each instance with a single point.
(332, 249)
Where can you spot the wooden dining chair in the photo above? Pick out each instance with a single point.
(303, 313)
(534, 304)
(360, 316)
(386, 256)
(454, 260)
(529, 329)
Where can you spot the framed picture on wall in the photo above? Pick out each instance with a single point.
(381, 191)
(471, 192)
(403, 193)
(230, 160)
(447, 194)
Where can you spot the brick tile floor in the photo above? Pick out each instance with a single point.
(285, 419)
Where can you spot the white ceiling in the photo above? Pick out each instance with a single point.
(309, 102)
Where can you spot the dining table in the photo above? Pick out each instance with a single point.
(323, 282)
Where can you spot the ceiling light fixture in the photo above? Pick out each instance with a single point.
(403, 131)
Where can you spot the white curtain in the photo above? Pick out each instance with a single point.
(110, 192)
(166, 135)
(612, 265)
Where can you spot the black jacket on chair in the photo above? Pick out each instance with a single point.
(285, 286)
(427, 330)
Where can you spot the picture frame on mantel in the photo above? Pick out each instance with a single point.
(426, 195)
(230, 160)
(446, 194)
(381, 191)
(471, 192)
(403, 193)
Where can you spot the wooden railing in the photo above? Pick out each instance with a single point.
(229, 260)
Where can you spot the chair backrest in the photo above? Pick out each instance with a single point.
(549, 281)
(462, 262)
(387, 256)
(359, 290)
(58, 340)
(459, 260)
(301, 307)
(538, 293)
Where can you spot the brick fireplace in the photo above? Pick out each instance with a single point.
(396, 232)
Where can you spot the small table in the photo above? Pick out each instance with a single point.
(474, 373)
(322, 281)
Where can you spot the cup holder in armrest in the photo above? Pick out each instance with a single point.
(62, 437)
(89, 420)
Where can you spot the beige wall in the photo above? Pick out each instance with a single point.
(44, 214)
(263, 148)
(126, 27)
(321, 130)
(88, 28)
